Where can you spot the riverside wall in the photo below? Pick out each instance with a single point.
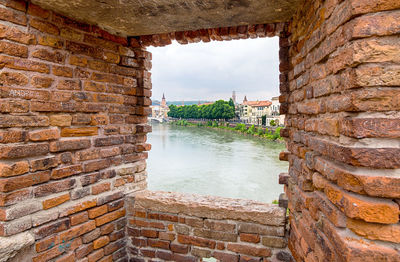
(184, 227)
(73, 121)
(340, 93)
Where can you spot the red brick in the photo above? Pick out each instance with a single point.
(13, 49)
(58, 250)
(96, 165)
(66, 171)
(79, 218)
(69, 85)
(51, 56)
(110, 217)
(35, 10)
(15, 169)
(101, 242)
(19, 182)
(225, 257)
(79, 131)
(252, 238)
(44, 26)
(100, 188)
(15, 197)
(50, 229)
(56, 201)
(249, 250)
(24, 121)
(67, 145)
(96, 255)
(54, 187)
(44, 135)
(12, 16)
(196, 241)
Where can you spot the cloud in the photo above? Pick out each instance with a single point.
(211, 71)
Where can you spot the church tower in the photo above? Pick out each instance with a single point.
(234, 97)
(163, 101)
(245, 100)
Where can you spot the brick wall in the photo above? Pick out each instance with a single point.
(73, 124)
(340, 89)
(185, 227)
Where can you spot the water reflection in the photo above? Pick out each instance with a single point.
(214, 162)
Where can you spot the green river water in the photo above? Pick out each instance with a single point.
(214, 162)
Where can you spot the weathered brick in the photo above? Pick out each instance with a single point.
(80, 131)
(100, 188)
(60, 120)
(13, 78)
(66, 171)
(50, 229)
(225, 257)
(24, 64)
(54, 187)
(44, 26)
(13, 136)
(13, 49)
(101, 242)
(18, 168)
(249, 250)
(69, 85)
(252, 238)
(56, 201)
(24, 121)
(67, 145)
(49, 40)
(196, 241)
(44, 135)
(27, 150)
(110, 217)
(361, 207)
(51, 56)
(35, 10)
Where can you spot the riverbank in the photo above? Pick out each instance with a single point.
(272, 135)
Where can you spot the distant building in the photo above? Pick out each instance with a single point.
(275, 112)
(160, 111)
(251, 112)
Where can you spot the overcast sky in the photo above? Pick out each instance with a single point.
(211, 71)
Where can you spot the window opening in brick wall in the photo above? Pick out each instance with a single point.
(192, 157)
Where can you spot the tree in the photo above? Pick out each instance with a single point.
(264, 120)
(272, 122)
(219, 110)
(231, 103)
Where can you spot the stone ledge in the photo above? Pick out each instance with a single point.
(10, 246)
(210, 207)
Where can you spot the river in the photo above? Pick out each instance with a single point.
(214, 162)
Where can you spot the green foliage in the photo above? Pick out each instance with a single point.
(272, 123)
(273, 135)
(264, 120)
(241, 127)
(276, 202)
(251, 130)
(260, 131)
(218, 110)
(182, 123)
(232, 104)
